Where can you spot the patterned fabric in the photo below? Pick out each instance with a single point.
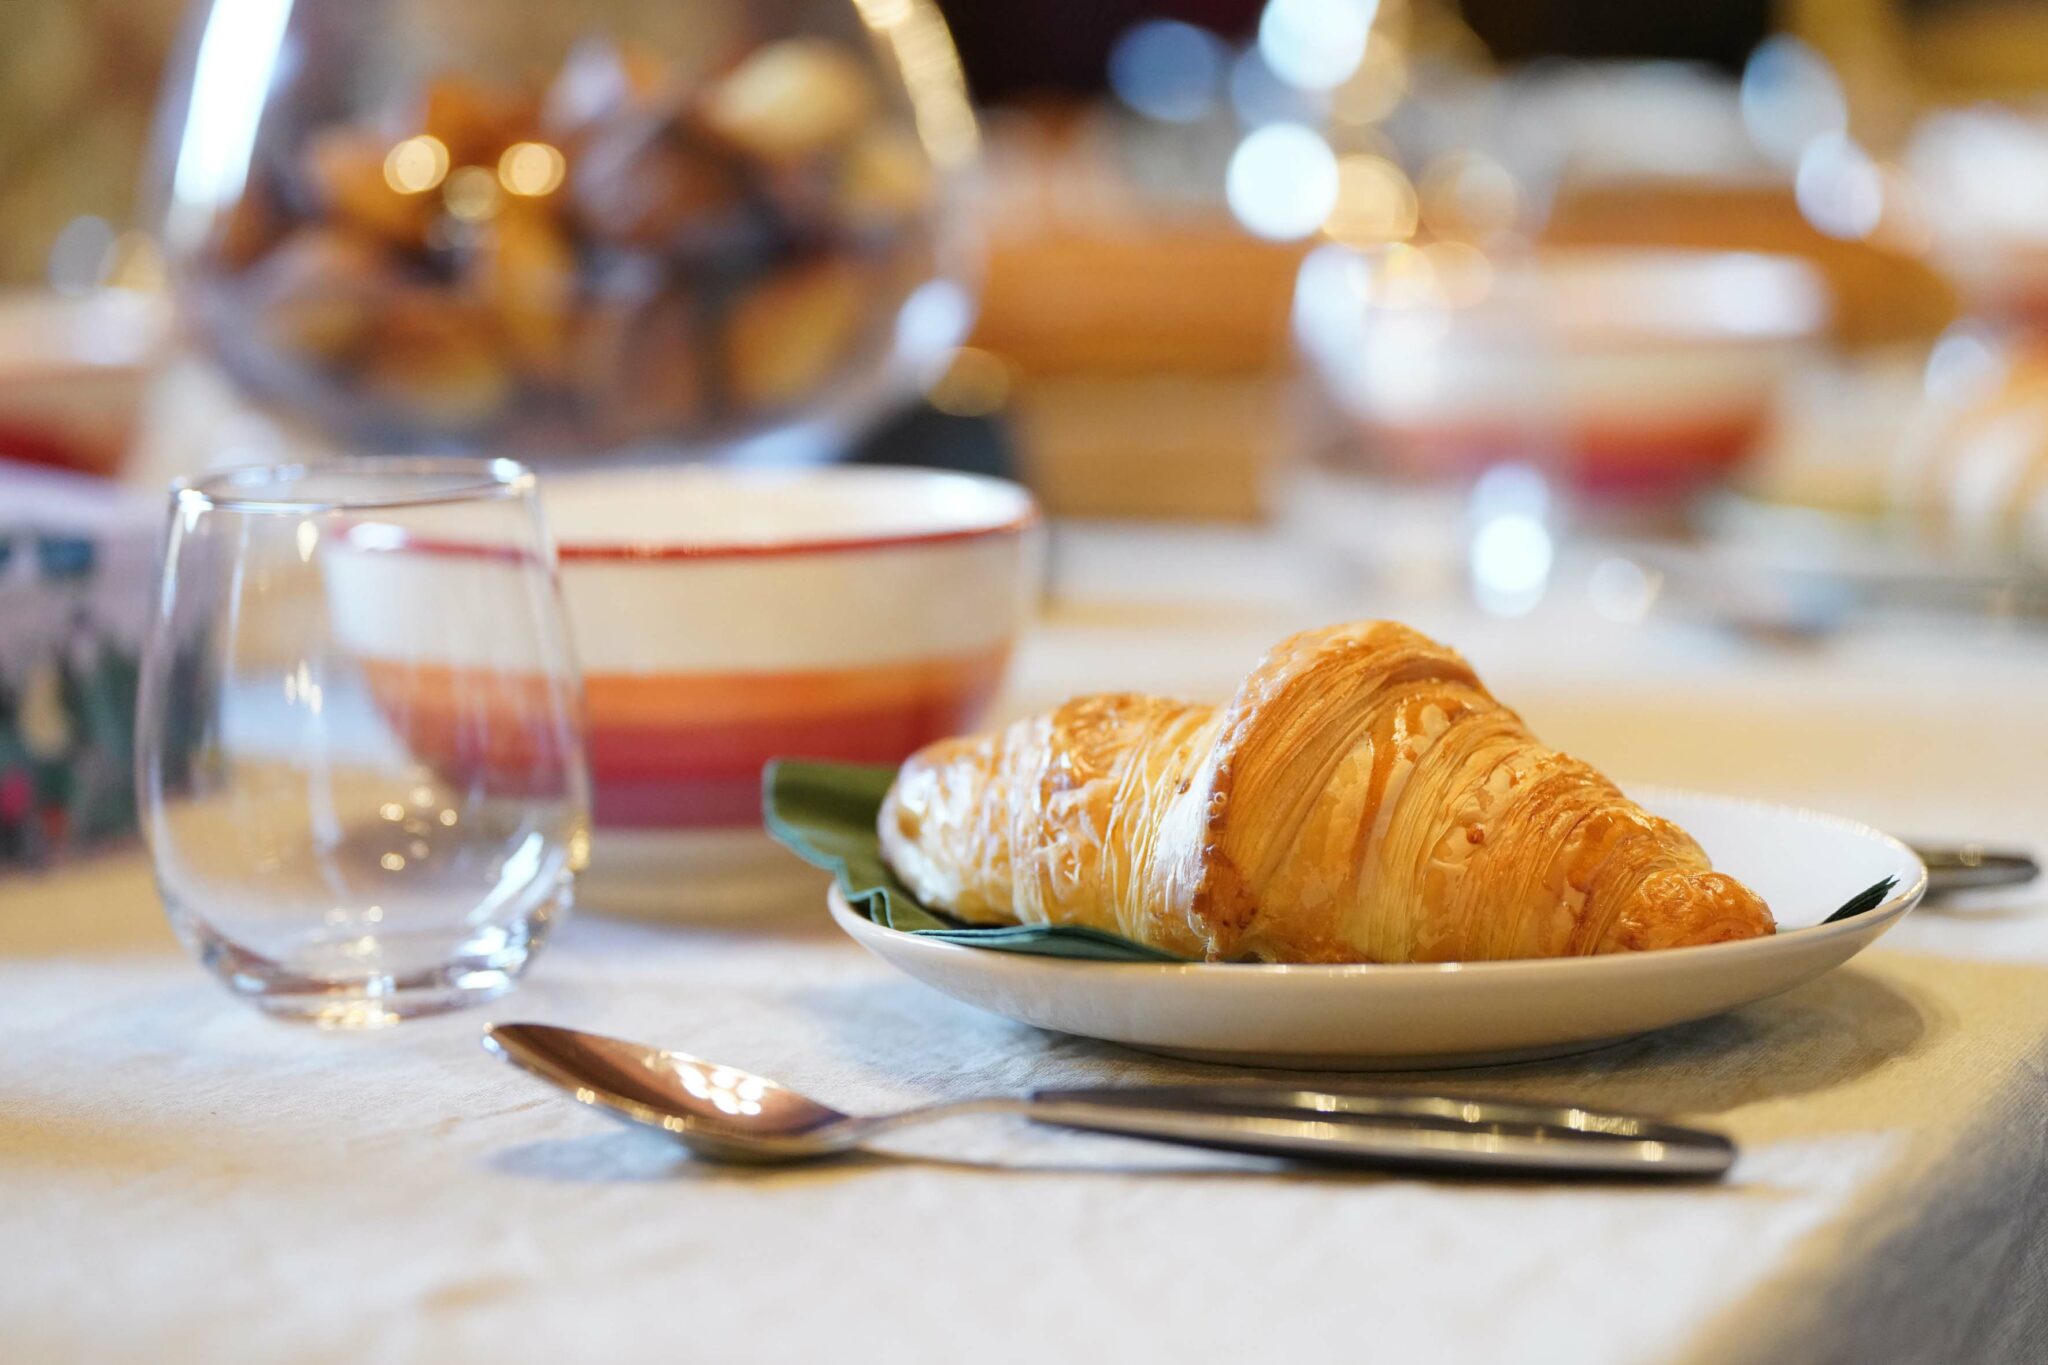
(74, 583)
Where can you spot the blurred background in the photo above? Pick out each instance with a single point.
(1184, 210)
(1727, 314)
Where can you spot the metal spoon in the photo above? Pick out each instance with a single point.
(727, 1114)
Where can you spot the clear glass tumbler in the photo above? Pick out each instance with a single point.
(361, 764)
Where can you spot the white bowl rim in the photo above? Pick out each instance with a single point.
(46, 336)
(1600, 296)
(1875, 919)
(1014, 512)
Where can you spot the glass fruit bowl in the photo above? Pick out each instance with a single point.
(569, 228)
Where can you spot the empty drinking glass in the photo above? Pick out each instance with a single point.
(361, 761)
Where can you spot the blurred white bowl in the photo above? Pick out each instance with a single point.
(72, 372)
(1983, 173)
(1624, 371)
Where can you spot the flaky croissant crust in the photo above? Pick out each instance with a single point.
(1362, 798)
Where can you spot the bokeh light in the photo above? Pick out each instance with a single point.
(1315, 44)
(1375, 202)
(1511, 556)
(975, 383)
(1839, 188)
(416, 165)
(1282, 181)
(1168, 70)
(471, 194)
(1790, 96)
(1512, 548)
(1623, 590)
(531, 169)
(1966, 365)
(1377, 88)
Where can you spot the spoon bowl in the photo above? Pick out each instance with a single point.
(716, 1111)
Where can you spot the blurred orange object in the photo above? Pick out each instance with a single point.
(1155, 445)
(1138, 299)
(1148, 343)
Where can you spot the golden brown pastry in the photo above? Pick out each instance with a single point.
(1362, 799)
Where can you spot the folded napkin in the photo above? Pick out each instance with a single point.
(825, 814)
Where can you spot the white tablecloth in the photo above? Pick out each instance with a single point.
(181, 1179)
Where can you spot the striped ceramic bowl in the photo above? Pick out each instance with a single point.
(724, 617)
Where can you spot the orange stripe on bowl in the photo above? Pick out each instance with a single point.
(684, 750)
(663, 700)
(687, 750)
(505, 731)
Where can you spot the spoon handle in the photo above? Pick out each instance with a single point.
(1392, 1131)
(1967, 867)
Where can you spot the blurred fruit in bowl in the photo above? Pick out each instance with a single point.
(571, 229)
(1623, 373)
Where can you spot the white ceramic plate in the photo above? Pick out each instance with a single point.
(1366, 1017)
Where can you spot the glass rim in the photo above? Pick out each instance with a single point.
(464, 479)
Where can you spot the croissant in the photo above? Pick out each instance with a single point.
(1362, 798)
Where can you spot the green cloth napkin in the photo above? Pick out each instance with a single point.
(825, 814)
